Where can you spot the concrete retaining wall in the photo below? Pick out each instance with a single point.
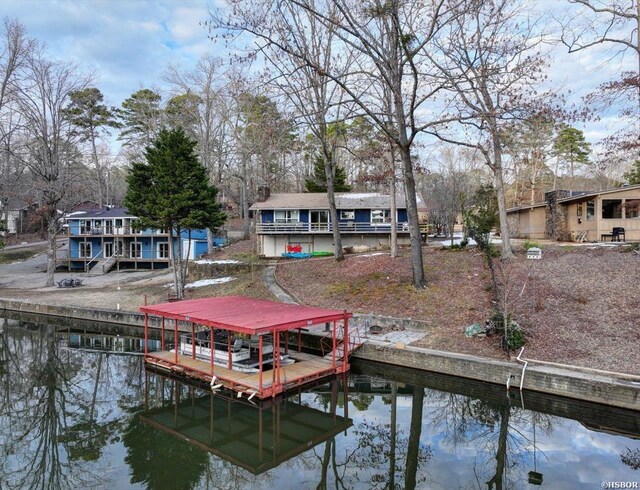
(596, 388)
(367, 321)
(623, 391)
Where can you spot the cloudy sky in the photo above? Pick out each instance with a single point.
(128, 43)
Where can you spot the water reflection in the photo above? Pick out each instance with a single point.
(86, 418)
(55, 409)
(255, 436)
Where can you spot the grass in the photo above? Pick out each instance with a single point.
(9, 256)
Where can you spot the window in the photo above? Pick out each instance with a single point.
(163, 250)
(380, 216)
(136, 250)
(612, 209)
(591, 210)
(347, 214)
(118, 222)
(85, 227)
(287, 216)
(85, 250)
(632, 208)
(579, 210)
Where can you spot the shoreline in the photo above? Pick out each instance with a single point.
(606, 388)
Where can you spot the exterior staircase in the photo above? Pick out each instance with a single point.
(103, 266)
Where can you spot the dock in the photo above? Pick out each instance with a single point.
(267, 325)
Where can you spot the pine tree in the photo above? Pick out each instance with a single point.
(91, 119)
(633, 176)
(318, 182)
(571, 147)
(171, 191)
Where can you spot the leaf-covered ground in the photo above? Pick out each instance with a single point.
(579, 305)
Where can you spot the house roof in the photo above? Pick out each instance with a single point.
(576, 196)
(317, 200)
(588, 195)
(528, 206)
(245, 315)
(100, 214)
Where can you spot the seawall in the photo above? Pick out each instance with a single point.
(597, 387)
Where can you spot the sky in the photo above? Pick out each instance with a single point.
(129, 43)
(126, 43)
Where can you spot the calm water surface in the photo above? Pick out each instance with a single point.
(79, 410)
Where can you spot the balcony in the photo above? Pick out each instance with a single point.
(113, 231)
(324, 228)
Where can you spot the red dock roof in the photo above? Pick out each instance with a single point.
(245, 315)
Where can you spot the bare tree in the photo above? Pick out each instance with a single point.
(490, 56)
(616, 24)
(389, 40)
(50, 154)
(14, 50)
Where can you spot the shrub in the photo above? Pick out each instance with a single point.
(515, 337)
(529, 244)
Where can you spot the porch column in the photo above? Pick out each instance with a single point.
(193, 341)
(260, 362)
(162, 335)
(212, 337)
(273, 361)
(146, 333)
(345, 342)
(176, 340)
(333, 345)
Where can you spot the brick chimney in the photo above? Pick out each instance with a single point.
(556, 215)
(263, 193)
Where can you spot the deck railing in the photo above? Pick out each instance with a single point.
(112, 231)
(344, 227)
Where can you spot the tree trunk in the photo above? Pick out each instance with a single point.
(394, 205)
(99, 174)
(413, 445)
(329, 171)
(52, 230)
(507, 252)
(417, 264)
(501, 453)
(393, 435)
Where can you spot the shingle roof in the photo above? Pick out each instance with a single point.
(345, 200)
(101, 213)
(587, 195)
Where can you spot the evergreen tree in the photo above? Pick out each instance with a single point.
(171, 191)
(90, 119)
(633, 176)
(571, 147)
(318, 182)
(141, 116)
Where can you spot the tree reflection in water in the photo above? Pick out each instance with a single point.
(54, 415)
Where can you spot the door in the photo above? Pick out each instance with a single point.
(108, 250)
(319, 220)
(118, 247)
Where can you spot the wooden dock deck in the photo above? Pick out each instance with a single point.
(307, 368)
(268, 323)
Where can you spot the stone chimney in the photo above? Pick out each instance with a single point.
(556, 216)
(263, 193)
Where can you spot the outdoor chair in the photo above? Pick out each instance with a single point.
(616, 233)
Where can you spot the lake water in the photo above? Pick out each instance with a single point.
(79, 410)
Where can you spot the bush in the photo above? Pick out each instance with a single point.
(515, 338)
(529, 244)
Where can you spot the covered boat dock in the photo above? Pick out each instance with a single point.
(256, 320)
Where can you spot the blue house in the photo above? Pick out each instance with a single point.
(102, 239)
(300, 222)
